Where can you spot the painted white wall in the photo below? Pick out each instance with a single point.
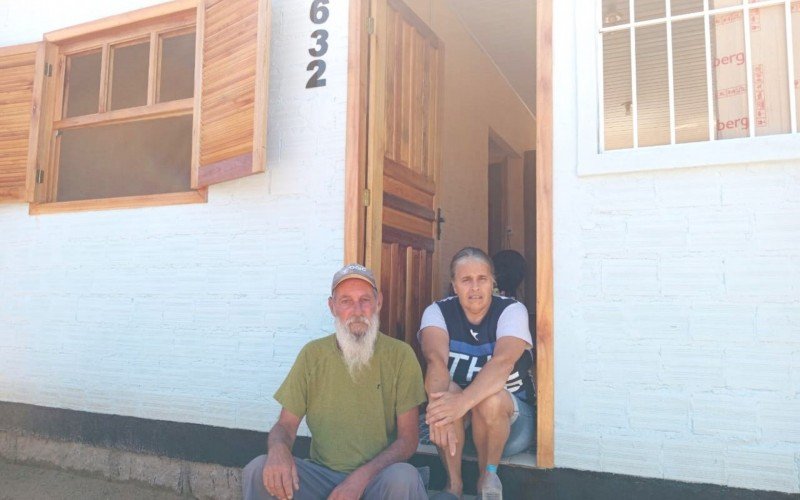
(190, 313)
(677, 311)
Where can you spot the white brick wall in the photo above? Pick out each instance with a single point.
(189, 313)
(677, 312)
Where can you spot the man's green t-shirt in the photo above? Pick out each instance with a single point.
(351, 421)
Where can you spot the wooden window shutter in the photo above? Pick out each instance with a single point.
(230, 116)
(22, 72)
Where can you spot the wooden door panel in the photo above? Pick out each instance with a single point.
(411, 194)
(409, 170)
(394, 40)
(405, 221)
(413, 311)
(393, 285)
(402, 173)
(405, 277)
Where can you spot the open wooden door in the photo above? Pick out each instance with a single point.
(406, 62)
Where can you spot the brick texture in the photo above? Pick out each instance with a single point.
(677, 308)
(188, 313)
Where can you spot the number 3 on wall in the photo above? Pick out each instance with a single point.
(318, 14)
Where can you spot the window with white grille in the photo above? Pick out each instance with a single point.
(674, 72)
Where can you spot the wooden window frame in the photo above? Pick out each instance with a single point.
(356, 219)
(151, 24)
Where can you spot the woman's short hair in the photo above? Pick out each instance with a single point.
(470, 253)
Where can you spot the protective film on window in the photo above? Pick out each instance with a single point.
(694, 70)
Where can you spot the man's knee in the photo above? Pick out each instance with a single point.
(254, 469)
(495, 407)
(396, 482)
(252, 479)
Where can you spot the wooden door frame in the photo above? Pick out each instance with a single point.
(545, 444)
(355, 172)
(356, 223)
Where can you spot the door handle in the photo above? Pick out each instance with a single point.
(439, 221)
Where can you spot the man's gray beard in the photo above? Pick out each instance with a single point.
(356, 350)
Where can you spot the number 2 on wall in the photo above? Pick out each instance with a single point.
(318, 14)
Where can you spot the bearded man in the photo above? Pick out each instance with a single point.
(359, 391)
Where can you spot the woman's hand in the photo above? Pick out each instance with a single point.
(444, 437)
(445, 408)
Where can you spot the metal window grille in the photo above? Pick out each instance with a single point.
(616, 18)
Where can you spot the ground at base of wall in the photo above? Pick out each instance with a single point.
(35, 482)
(31, 482)
(176, 477)
(33, 468)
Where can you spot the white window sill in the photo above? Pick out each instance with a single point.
(697, 154)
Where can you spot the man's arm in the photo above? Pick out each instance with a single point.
(401, 449)
(446, 407)
(280, 472)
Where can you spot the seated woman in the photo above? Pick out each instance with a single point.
(477, 348)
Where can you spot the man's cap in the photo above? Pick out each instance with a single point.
(356, 271)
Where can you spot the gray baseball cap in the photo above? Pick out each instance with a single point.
(356, 271)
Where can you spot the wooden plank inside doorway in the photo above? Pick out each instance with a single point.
(544, 234)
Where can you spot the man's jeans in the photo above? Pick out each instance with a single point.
(400, 481)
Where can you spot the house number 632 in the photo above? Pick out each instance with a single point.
(319, 14)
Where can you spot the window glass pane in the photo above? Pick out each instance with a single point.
(82, 86)
(796, 40)
(177, 67)
(717, 4)
(617, 100)
(129, 159)
(129, 76)
(649, 9)
(652, 85)
(615, 12)
(730, 75)
(770, 71)
(689, 72)
(685, 6)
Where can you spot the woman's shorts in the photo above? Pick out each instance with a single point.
(523, 428)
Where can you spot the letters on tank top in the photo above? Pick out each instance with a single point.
(471, 346)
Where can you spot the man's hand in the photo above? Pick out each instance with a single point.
(280, 473)
(444, 436)
(351, 488)
(444, 408)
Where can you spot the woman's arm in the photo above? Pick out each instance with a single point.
(446, 407)
(436, 351)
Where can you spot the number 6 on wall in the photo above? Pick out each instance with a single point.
(319, 13)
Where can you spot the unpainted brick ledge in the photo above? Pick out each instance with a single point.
(190, 479)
